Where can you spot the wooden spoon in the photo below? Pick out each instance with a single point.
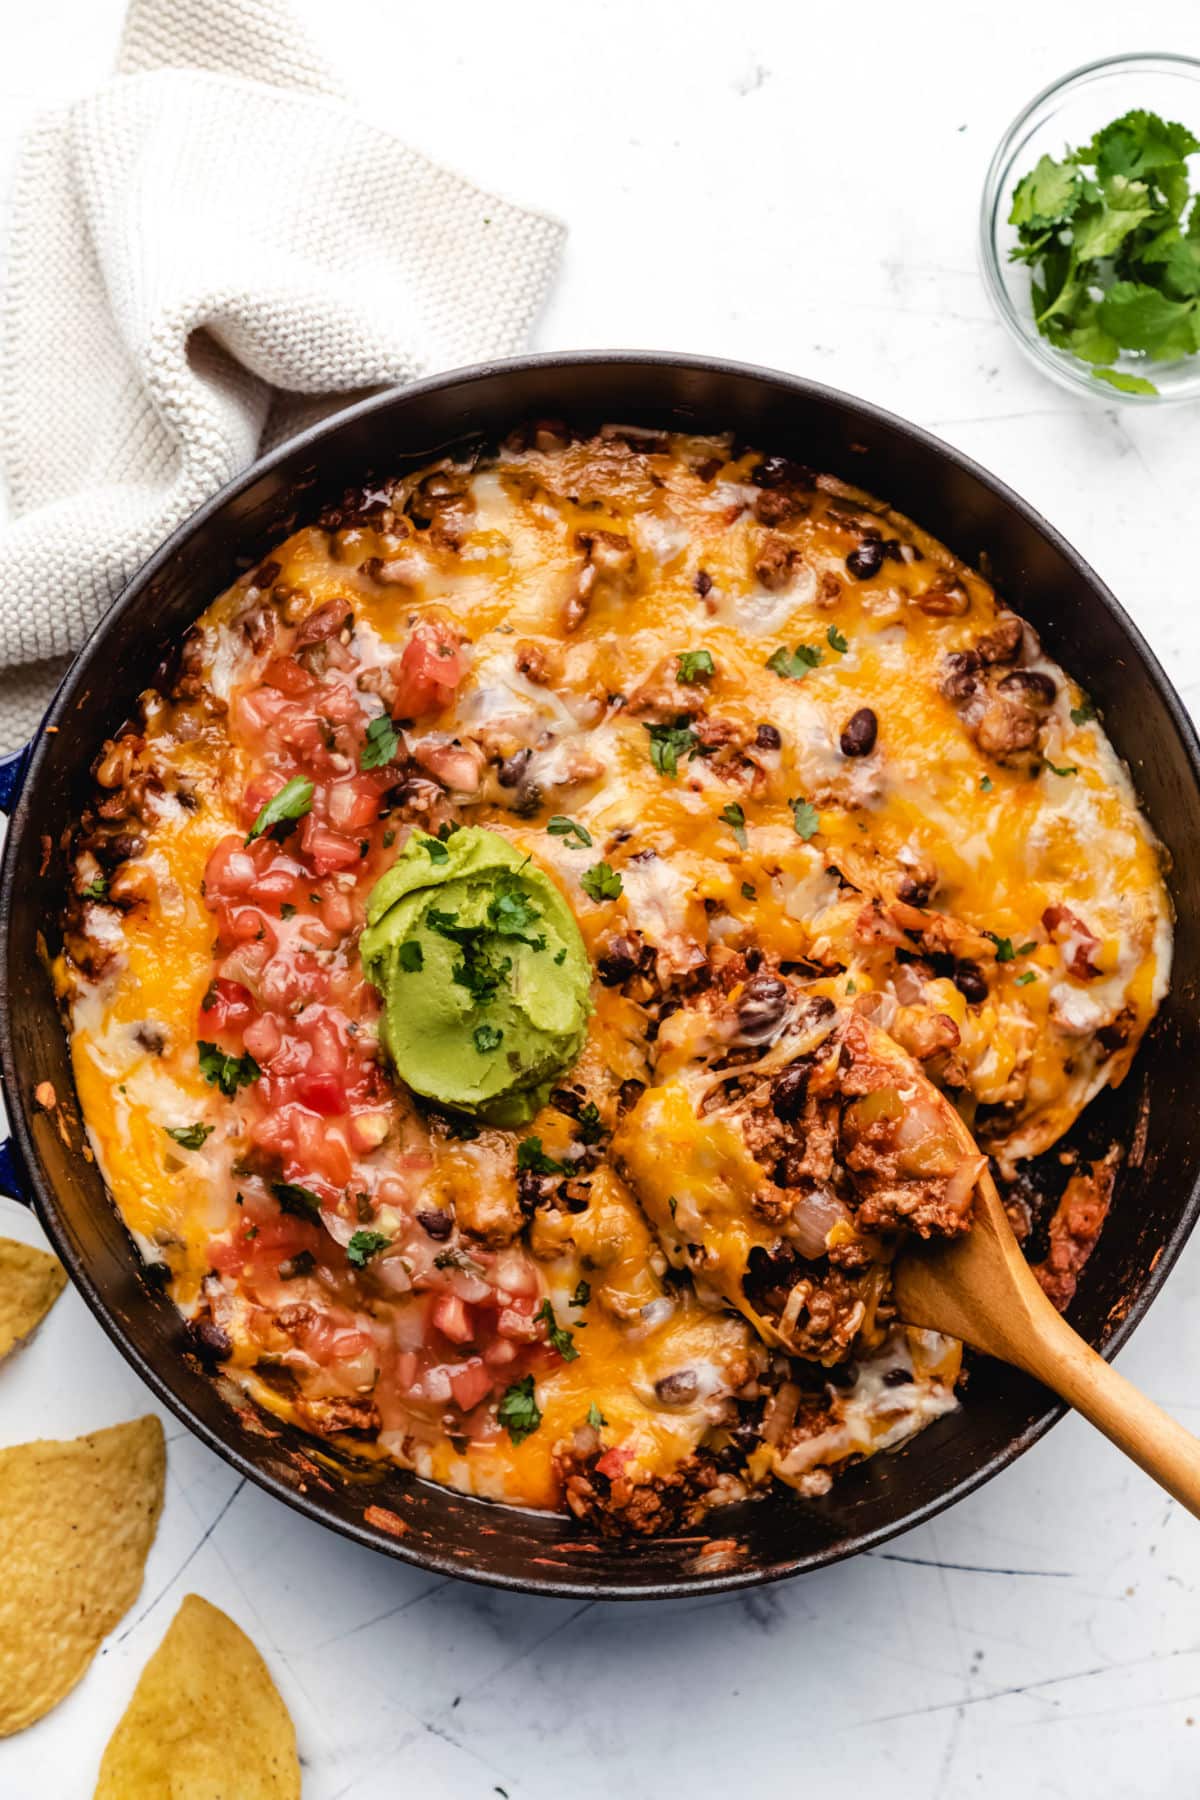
(979, 1288)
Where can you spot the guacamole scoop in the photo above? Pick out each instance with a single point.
(484, 977)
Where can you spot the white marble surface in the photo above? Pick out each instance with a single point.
(795, 186)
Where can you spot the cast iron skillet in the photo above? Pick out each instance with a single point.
(1158, 1193)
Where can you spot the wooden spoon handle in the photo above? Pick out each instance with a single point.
(1170, 1455)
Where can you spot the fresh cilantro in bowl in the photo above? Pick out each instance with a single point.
(1111, 233)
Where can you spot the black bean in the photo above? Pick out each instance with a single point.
(629, 1093)
(211, 1340)
(703, 583)
(959, 670)
(971, 982)
(781, 471)
(866, 559)
(859, 733)
(621, 959)
(761, 1007)
(767, 737)
(914, 893)
(789, 1092)
(435, 1223)
(897, 1378)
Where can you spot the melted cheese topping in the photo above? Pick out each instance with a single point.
(573, 576)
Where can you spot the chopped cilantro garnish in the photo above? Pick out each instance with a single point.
(190, 1136)
(561, 826)
(696, 665)
(986, 785)
(601, 882)
(591, 1125)
(410, 956)
(1068, 769)
(805, 818)
(1028, 976)
(559, 1340)
(228, 1073)
(381, 745)
(1084, 713)
(595, 1417)
(389, 838)
(303, 1263)
(734, 816)
(1004, 947)
(668, 743)
(531, 1156)
(95, 890)
(518, 1411)
(836, 641)
(511, 911)
(560, 956)
(289, 806)
(1027, 949)
(749, 891)
(435, 849)
(582, 1294)
(794, 665)
(364, 1245)
(300, 1201)
(487, 1038)
(480, 972)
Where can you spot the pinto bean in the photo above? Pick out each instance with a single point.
(1030, 685)
(1002, 643)
(767, 737)
(859, 733)
(679, 1388)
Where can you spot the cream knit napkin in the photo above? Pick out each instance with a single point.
(200, 255)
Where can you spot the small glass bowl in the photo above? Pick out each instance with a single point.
(1062, 117)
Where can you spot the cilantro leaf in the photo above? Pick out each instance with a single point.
(1004, 947)
(595, 1417)
(1084, 713)
(558, 1338)
(794, 665)
(95, 890)
(435, 849)
(1067, 769)
(511, 910)
(734, 816)
(382, 743)
(836, 641)
(531, 1157)
(1124, 382)
(226, 1072)
(190, 1136)
(487, 1038)
(582, 1294)
(1024, 979)
(696, 665)
(668, 743)
(364, 1245)
(288, 807)
(602, 882)
(1141, 318)
(1048, 195)
(561, 826)
(591, 1125)
(410, 956)
(301, 1202)
(805, 818)
(749, 891)
(518, 1411)
(986, 785)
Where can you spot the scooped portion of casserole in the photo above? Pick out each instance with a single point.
(502, 948)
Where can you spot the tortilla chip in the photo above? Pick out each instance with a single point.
(205, 1721)
(76, 1522)
(30, 1282)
